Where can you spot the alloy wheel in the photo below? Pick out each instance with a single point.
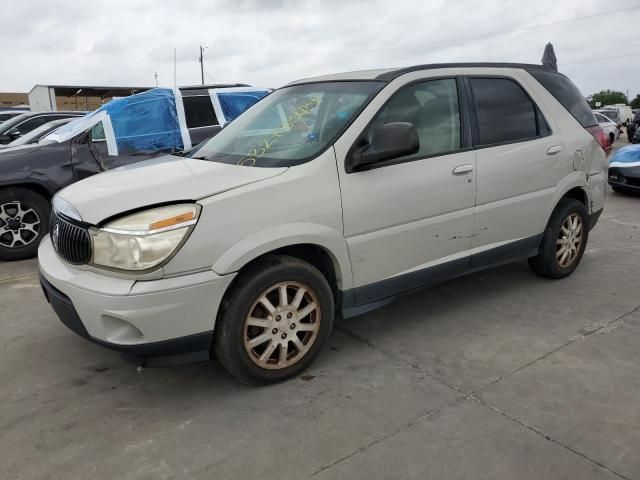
(569, 240)
(19, 225)
(282, 325)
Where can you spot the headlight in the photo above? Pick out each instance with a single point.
(60, 205)
(143, 240)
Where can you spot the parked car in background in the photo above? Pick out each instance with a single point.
(609, 126)
(123, 131)
(624, 170)
(624, 112)
(22, 124)
(376, 183)
(37, 133)
(7, 114)
(611, 114)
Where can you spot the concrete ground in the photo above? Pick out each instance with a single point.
(499, 375)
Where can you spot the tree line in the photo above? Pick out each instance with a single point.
(611, 97)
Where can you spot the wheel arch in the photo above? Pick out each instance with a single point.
(34, 186)
(319, 245)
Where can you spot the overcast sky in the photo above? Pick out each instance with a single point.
(271, 42)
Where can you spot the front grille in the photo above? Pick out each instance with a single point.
(71, 241)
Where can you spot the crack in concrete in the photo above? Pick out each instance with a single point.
(389, 435)
(413, 366)
(546, 437)
(19, 277)
(605, 327)
(602, 328)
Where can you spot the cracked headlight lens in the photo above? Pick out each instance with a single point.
(143, 240)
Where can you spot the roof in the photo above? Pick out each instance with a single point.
(204, 89)
(92, 90)
(388, 74)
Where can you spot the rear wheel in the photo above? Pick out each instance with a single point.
(274, 321)
(564, 240)
(24, 220)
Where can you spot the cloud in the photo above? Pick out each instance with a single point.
(272, 42)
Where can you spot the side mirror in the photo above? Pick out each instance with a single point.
(389, 141)
(14, 133)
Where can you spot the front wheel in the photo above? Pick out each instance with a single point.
(24, 220)
(564, 240)
(274, 321)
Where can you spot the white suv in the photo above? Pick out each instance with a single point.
(330, 196)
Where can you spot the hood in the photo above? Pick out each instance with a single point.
(19, 150)
(161, 180)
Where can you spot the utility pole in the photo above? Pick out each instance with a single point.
(202, 64)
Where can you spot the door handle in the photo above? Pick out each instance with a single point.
(462, 169)
(555, 149)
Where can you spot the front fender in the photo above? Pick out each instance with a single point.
(286, 235)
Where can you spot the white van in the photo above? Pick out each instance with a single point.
(625, 115)
(374, 184)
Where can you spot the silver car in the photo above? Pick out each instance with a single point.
(331, 196)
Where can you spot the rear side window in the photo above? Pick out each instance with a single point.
(565, 92)
(504, 111)
(198, 111)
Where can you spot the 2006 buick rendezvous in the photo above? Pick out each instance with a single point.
(332, 194)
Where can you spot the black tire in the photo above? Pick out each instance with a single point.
(229, 338)
(618, 189)
(612, 138)
(545, 263)
(28, 200)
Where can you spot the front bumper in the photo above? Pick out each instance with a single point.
(157, 322)
(626, 178)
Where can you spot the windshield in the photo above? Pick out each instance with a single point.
(35, 134)
(9, 124)
(290, 126)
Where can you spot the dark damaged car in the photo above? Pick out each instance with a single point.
(124, 131)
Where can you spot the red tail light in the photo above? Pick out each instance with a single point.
(602, 138)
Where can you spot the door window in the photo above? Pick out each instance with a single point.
(504, 111)
(31, 123)
(432, 107)
(198, 111)
(96, 134)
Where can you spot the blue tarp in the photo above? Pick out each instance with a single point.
(234, 103)
(144, 122)
(628, 156)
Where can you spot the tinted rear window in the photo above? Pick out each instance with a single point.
(504, 111)
(567, 94)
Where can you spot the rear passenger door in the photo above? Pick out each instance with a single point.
(519, 163)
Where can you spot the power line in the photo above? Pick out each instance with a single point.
(428, 44)
(601, 59)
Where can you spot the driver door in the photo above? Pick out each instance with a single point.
(408, 221)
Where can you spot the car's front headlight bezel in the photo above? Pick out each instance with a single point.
(144, 241)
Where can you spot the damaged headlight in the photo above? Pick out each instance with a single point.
(143, 240)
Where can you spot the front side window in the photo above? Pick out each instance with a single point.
(504, 111)
(198, 111)
(432, 107)
(289, 126)
(96, 134)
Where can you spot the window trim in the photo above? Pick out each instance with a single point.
(539, 115)
(466, 144)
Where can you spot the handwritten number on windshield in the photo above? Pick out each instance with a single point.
(258, 151)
